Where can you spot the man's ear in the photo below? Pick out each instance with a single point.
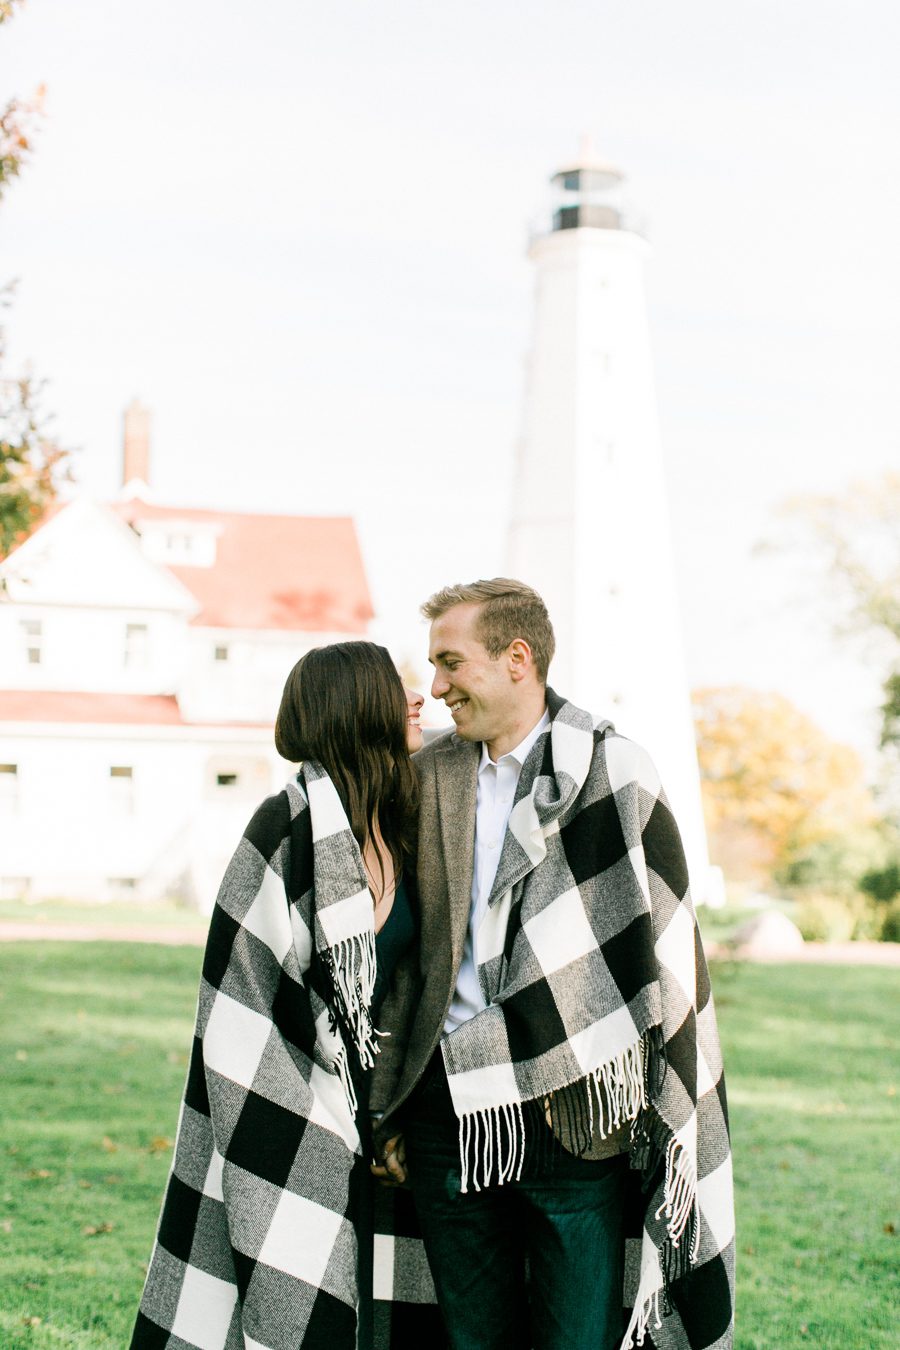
(520, 659)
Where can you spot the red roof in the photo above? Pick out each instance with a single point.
(285, 572)
(51, 705)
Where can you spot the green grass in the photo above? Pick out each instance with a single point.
(94, 1054)
(814, 1077)
(95, 1037)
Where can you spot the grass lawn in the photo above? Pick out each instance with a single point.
(94, 1053)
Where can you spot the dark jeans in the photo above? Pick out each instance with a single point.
(562, 1223)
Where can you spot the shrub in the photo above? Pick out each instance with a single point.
(882, 883)
(831, 918)
(890, 921)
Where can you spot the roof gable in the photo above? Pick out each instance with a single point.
(296, 573)
(83, 554)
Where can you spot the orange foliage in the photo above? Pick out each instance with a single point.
(773, 782)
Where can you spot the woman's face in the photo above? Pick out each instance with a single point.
(414, 738)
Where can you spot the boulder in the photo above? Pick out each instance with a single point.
(767, 935)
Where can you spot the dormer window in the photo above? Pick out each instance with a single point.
(180, 543)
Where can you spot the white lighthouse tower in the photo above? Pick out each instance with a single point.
(590, 518)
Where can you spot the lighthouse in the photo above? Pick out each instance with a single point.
(590, 517)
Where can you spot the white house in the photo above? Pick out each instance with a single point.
(143, 650)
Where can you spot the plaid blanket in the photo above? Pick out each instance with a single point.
(258, 1239)
(600, 1013)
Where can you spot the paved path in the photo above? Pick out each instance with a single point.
(171, 935)
(815, 953)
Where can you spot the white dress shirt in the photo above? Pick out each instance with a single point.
(497, 783)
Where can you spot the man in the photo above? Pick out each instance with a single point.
(562, 1094)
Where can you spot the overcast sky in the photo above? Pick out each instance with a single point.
(298, 233)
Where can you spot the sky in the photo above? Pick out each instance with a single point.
(298, 232)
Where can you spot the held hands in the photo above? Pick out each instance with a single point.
(392, 1172)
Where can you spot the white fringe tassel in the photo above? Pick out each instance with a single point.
(492, 1138)
(354, 975)
(644, 1309)
(679, 1199)
(680, 1195)
(618, 1085)
(342, 1064)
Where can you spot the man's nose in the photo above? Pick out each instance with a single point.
(439, 686)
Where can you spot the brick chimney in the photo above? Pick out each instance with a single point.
(136, 443)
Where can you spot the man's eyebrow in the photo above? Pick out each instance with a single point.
(442, 656)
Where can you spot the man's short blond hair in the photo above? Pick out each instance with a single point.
(509, 610)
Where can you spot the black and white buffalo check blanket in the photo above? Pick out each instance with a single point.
(600, 1013)
(258, 1240)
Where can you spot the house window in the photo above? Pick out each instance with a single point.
(220, 653)
(9, 784)
(31, 631)
(121, 786)
(232, 777)
(121, 888)
(136, 646)
(14, 888)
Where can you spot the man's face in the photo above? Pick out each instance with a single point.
(481, 695)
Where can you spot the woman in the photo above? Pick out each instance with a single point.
(266, 1232)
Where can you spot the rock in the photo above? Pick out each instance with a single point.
(768, 934)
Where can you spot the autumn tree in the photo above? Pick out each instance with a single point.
(855, 534)
(773, 783)
(31, 462)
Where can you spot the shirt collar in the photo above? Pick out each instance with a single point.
(521, 751)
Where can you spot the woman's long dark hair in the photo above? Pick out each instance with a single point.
(345, 707)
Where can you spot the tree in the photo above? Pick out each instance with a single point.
(773, 784)
(16, 122)
(31, 462)
(857, 535)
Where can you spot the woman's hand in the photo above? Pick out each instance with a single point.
(392, 1172)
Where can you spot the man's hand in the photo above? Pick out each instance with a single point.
(393, 1170)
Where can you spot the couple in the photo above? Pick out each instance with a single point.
(481, 969)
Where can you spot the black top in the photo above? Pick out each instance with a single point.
(391, 942)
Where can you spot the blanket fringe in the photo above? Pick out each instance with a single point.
(645, 1308)
(653, 1145)
(342, 1065)
(352, 967)
(680, 1198)
(495, 1139)
(492, 1139)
